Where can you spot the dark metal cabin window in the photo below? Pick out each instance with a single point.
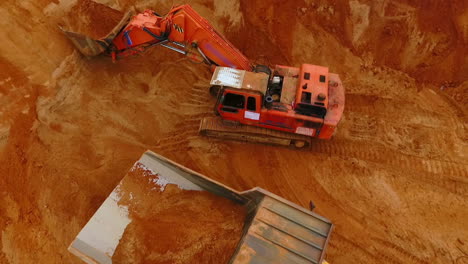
(306, 97)
(251, 104)
(312, 124)
(322, 78)
(311, 110)
(234, 100)
(307, 75)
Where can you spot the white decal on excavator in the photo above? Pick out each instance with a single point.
(251, 115)
(178, 28)
(305, 131)
(225, 76)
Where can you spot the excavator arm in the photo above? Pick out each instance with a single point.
(182, 30)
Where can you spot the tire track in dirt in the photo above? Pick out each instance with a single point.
(351, 250)
(405, 139)
(433, 171)
(404, 127)
(197, 98)
(195, 107)
(397, 111)
(393, 251)
(190, 103)
(180, 134)
(384, 251)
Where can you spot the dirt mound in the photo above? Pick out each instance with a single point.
(171, 225)
(395, 169)
(425, 40)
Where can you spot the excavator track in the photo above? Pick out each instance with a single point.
(216, 127)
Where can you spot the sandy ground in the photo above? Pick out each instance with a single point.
(394, 179)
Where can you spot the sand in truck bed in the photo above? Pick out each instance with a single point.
(172, 225)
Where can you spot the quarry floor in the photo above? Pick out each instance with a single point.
(393, 180)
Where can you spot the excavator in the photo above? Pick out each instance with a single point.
(281, 105)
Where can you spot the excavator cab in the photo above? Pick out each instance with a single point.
(240, 94)
(239, 105)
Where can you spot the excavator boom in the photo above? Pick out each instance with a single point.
(182, 30)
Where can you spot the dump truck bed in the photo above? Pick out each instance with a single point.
(274, 231)
(280, 233)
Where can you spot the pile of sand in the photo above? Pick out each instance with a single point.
(171, 225)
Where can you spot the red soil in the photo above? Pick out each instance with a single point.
(70, 127)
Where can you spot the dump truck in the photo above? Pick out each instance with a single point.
(281, 105)
(275, 230)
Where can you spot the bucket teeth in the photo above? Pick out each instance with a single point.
(86, 45)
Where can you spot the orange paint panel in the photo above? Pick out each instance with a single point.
(326, 132)
(313, 79)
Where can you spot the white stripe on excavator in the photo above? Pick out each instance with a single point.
(228, 77)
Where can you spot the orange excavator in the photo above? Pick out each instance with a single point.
(280, 105)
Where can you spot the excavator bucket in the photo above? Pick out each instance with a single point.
(89, 46)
